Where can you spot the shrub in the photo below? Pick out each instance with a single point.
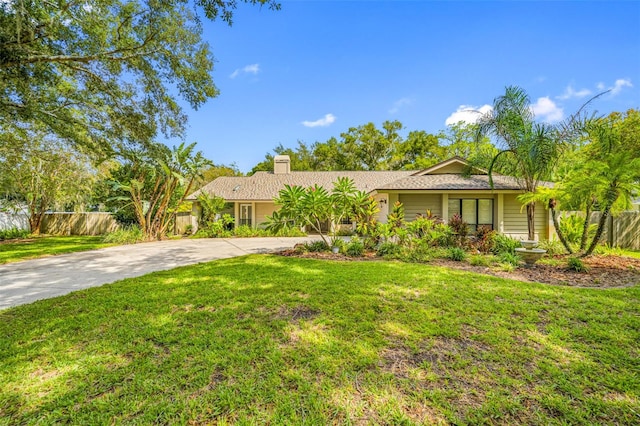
(484, 238)
(126, 235)
(572, 227)
(552, 247)
(354, 248)
(504, 244)
(606, 250)
(509, 258)
(419, 227)
(13, 233)
(457, 254)
(395, 219)
(387, 249)
(460, 229)
(288, 232)
(481, 260)
(440, 236)
(245, 231)
(317, 246)
(576, 264)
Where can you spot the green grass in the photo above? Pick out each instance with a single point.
(275, 340)
(47, 246)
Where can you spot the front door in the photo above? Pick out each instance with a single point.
(245, 214)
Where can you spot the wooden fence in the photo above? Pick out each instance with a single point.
(623, 230)
(91, 223)
(182, 223)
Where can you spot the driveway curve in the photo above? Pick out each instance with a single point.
(31, 280)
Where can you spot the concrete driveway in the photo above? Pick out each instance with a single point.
(31, 280)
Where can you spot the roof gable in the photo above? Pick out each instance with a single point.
(453, 166)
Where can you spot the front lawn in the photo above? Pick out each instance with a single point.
(13, 251)
(272, 340)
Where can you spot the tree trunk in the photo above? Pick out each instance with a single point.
(531, 216)
(585, 229)
(599, 232)
(35, 222)
(561, 236)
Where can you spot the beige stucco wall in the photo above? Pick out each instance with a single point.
(419, 203)
(515, 219)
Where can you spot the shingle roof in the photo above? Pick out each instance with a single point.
(451, 182)
(266, 185)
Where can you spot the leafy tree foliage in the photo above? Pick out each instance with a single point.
(529, 150)
(42, 172)
(100, 71)
(211, 206)
(367, 147)
(316, 207)
(160, 179)
(608, 171)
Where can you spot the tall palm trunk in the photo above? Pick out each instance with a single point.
(599, 232)
(554, 216)
(531, 219)
(585, 229)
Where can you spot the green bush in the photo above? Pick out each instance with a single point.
(481, 260)
(420, 226)
(572, 227)
(606, 250)
(388, 249)
(317, 246)
(126, 235)
(576, 264)
(457, 254)
(552, 247)
(289, 232)
(509, 258)
(504, 244)
(13, 233)
(440, 236)
(245, 231)
(354, 248)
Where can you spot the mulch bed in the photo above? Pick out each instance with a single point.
(604, 271)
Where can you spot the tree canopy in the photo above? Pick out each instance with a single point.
(367, 147)
(105, 71)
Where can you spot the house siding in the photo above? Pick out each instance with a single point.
(415, 204)
(262, 211)
(515, 220)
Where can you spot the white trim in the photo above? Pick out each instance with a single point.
(445, 207)
(500, 218)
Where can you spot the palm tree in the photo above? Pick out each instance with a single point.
(528, 149)
(614, 170)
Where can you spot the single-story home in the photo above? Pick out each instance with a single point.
(445, 189)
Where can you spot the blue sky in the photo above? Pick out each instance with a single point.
(315, 68)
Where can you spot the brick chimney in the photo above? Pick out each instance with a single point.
(281, 165)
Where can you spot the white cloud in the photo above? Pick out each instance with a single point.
(570, 93)
(547, 110)
(249, 69)
(467, 114)
(322, 122)
(619, 84)
(601, 86)
(399, 104)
